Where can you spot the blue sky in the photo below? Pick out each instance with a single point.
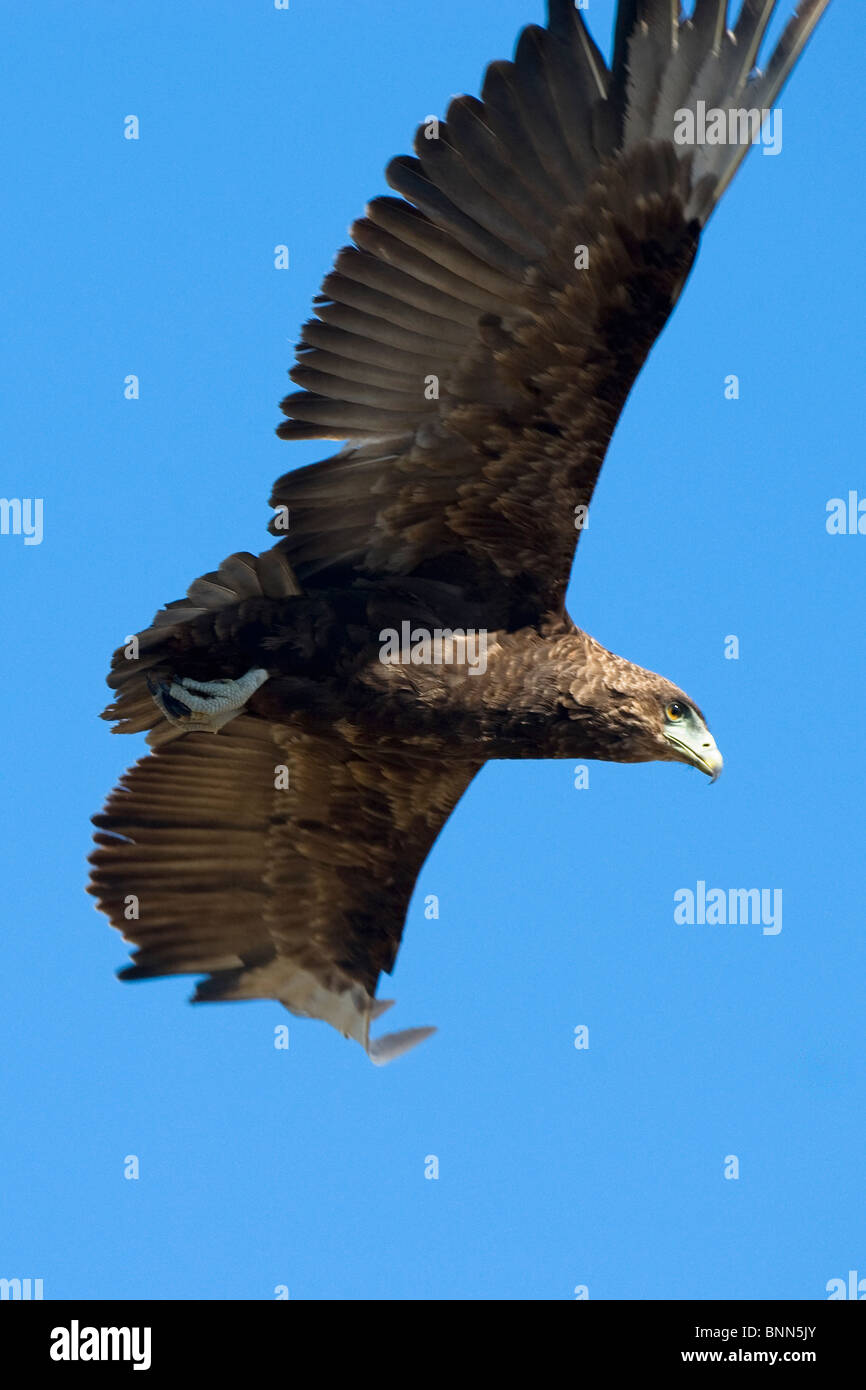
(558, 1167)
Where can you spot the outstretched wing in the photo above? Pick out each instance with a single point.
(477, 342)
(277, 863)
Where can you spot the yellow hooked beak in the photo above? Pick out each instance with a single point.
(695, 745)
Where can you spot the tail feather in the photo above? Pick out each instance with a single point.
(239, 577)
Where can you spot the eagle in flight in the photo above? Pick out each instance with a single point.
(473, 347)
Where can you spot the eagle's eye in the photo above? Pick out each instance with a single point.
(676, 710)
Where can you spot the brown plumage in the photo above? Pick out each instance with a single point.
(475, 346)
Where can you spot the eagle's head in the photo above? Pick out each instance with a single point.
(684, 731)
(659, 723)
(631, 715)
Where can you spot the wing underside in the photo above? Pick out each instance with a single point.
(276, 863)
(476, 344)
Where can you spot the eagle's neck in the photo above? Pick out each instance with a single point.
(530, 695)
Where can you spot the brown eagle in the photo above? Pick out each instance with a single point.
(475, 346)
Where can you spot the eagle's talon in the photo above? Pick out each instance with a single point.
(206, 705)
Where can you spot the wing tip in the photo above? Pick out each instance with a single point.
(386, 1049)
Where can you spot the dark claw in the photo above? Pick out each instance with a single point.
(160, 692)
